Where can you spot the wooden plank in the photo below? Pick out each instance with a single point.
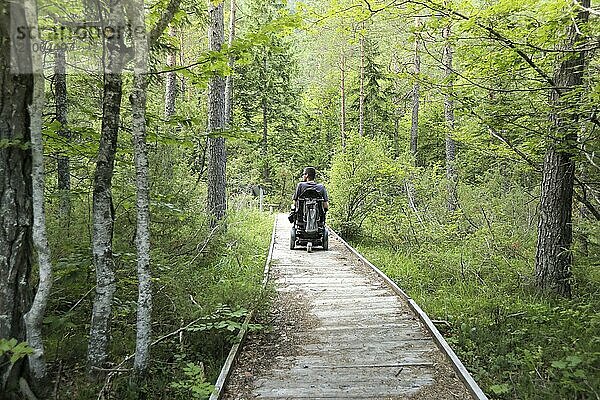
(343, 390)
(359, 300)
(368, 333)
(367, 347)
(355, 360)
(360, 328)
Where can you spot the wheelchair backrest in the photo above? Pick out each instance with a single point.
(311, 203)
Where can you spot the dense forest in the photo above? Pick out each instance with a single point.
(459, 142)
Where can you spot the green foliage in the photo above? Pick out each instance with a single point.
(194, 385)
(223, 318)
(14, 350)
(362, 177)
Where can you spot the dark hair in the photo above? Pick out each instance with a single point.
(311, 172)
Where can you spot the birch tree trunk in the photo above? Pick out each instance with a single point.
(35, 316)
(451, 171)
(167, 153)
(399, 110)
(16, 213)
(63, 162)
(102, 208)
(217, 159)
(171, 81)
(555, 235)
(229, 80)
(343, 98)
(361, 95)
(142, 238)
(414, 129)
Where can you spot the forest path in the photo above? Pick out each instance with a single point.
(339, 332)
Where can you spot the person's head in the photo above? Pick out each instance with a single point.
(309, 174)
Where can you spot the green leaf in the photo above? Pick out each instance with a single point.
(500, 389)
(559, 364)
(573, 361)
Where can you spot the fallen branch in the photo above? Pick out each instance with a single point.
(112, 369)
(206, 242)
(58, 378)
(81, 299)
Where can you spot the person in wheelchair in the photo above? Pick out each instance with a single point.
(311, 203)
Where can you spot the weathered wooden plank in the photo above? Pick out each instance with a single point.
(375, 313)
(380, 328)
(372, 347)
(333, 360)
(360, 300)
(343, 390)
(322, 281)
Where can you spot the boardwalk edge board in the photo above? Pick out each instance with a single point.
(227, 367)
(458, 366)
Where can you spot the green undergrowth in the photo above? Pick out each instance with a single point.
(204, 281)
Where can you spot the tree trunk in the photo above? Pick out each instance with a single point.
(414, 129)
(64, 169)
(35, 317)
(166, 153)
(142, 238)
(343, 96)
(399, 111)
(396, 138)
(555, 235)
(16, 213)
(229, 80)
(171, 81)
(102, 208)
(451, 171)
(217, 159)
(265, 138)
(361, 96)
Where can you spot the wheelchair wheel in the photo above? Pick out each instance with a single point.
(292, 239)
(325, 240)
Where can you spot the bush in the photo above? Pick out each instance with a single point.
(362, 177)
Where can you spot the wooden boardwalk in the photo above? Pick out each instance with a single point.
(352, 336)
